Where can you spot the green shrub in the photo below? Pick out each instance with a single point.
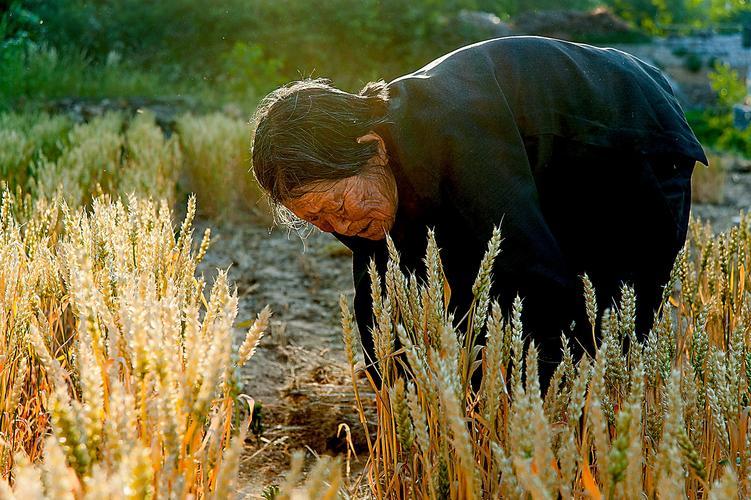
(352, 41)
(714, 126)
(38, 72)
(148, 33)
(709, 125)
(680, 51)
(657, 16)
(249, 73)
(727, 84)
(693, 62)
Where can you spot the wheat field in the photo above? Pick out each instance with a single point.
(663, 418)
(118, 374)
(120, 377)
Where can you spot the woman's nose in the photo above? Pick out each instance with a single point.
(341, 226)
(322, 224)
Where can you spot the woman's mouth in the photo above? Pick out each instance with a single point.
(375, 230)
(366, 230)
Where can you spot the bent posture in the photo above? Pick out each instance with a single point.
(581, 154)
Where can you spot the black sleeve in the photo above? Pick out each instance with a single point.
(362, 252)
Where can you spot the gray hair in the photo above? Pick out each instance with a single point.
(306, 133)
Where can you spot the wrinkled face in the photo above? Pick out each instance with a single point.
(363, 205)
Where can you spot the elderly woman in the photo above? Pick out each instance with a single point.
(581, 154)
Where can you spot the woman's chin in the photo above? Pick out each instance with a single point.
(375, 231)
(373, 236)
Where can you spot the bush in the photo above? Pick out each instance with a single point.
(352, 41)
(172, 32)
(693, 62)
(39, 72)
(657, 16)
(248, 74)
(680, 51)
(714, 126)
(727, 84)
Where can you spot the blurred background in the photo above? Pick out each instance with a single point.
(83, 59)
(234, 51)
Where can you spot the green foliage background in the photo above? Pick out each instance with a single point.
(237, 50)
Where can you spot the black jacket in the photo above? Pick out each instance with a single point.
(456, 139)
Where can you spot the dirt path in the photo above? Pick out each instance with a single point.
(299, 373)
(300, 279)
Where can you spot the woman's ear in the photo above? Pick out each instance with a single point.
(372, 136)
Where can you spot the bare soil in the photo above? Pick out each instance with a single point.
(299, 373)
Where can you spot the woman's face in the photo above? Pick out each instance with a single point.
(363, 205)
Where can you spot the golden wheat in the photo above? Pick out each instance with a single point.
(107, 337)
(138, 363)
(667, 417)
(216, 163)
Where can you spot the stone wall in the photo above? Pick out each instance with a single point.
(666, 52)
(727, 48)
(670, 54)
